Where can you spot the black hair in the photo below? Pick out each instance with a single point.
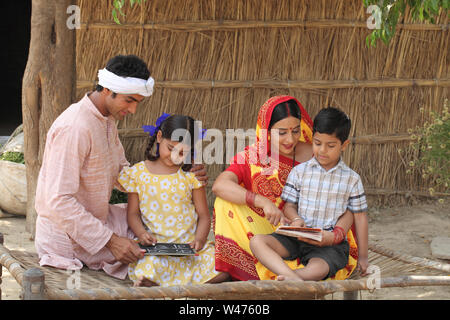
(332, 121)
(126, 66)
(167, 128)
(284, 110)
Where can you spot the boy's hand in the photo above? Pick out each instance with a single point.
(147, 239)
(363, 264)
(198, 244)
(297, 223)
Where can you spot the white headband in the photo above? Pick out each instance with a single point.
(125, 85)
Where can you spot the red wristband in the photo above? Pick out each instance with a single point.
(339, 235)
(250, 198)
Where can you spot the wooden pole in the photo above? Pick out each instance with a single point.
(48, 85)
(229, 25)
(289, 84)
(2, 239)
(367, 139)
(33, 284)
(351, 295)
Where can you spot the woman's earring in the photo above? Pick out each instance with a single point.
(157, 149)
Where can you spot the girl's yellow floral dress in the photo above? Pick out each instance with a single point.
(165, 202)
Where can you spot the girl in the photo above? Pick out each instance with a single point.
(170, 202)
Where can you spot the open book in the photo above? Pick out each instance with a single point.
(310, 233)
(168, 249)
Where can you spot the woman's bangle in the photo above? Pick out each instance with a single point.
(250, 198)
(295, 219)
(339, 235)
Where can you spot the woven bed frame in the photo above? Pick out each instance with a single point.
(396, 270)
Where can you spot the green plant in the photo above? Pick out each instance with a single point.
(389, 11)
(118, 196)
(118, 5)
(430, 148)
(16, 157)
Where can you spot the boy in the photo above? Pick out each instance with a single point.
(317, 193)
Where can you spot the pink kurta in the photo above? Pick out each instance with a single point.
(82, 159)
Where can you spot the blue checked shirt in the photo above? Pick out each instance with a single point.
(323, 196)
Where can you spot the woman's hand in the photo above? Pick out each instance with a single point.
(200, 173)
(147, 239)
(273, 214)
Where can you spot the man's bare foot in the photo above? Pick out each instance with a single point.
(144, 282)
(283, 278)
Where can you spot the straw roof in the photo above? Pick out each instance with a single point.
(218, 61)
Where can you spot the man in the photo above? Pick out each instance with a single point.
(83, 156)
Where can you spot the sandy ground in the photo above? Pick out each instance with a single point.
(408, 229)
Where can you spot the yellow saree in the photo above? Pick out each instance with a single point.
(234, 225)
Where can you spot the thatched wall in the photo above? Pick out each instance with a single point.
(218, 61)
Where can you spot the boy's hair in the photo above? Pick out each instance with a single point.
(167, 128)
(126, 66)
(332, 121)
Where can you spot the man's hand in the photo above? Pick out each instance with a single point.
(200, 173)
(124, 250)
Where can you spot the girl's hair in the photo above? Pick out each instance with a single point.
(284, 110)
(174, 122)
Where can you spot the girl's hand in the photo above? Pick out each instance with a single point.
(198, 244)
(147, 239)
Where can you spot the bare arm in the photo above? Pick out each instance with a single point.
(204, 218)
(126, 250)
(227, 187)
(345, 221)
(290, 212)
(362, 234)
(135, 222)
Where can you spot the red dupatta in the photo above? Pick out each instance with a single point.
(264, 174)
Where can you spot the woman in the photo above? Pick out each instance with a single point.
(283, 140)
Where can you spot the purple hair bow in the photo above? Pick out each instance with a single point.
(203, 134)
(154, 129)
